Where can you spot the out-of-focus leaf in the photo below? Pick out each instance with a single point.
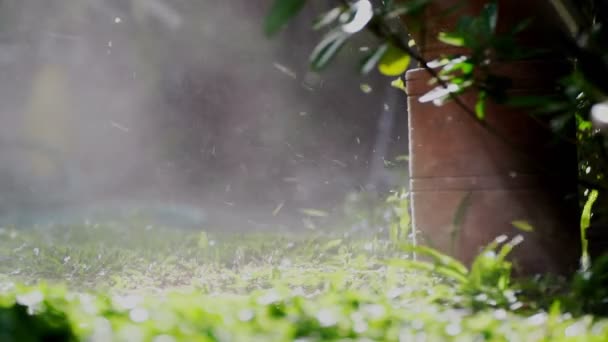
(439, 93)
(314, 212)
(365, 88)
(278, 208)
(364, 12)
(480, 106)
(560, 122)
(585, 223)
(524, 226)
(394, 62)
(372, 60)
(461, 64)
(521, 26)
(447, 272)
(327, 49)
(437, 63)
(399, 84)
(327, 18)
(453, 39)
(203, 240)
(280, 13)
(490, 15)
(437, 258)
(458, 220)
(332, 244)
(411, 8)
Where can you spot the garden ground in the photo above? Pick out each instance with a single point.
(136, 282)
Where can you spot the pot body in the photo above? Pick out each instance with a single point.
(469, 185)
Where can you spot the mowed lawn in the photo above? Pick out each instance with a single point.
(136, 282)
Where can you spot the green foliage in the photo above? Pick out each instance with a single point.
(590, 288)
(487, 283)
(524, 226)
(458, 219)
(565, 112)
(400, 225)
(274, 287)
(585, 223)
(280, 13)
(327, 49)
(372, 60)
(31, 319)
(394, 62)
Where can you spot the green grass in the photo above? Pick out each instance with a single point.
(129, 282)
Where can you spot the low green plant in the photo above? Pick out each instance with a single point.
(486, 283)
(590, 289)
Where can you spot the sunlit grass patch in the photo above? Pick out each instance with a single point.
(143, 283)
(119, 257)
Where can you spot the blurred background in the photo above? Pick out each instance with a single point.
(184, 110)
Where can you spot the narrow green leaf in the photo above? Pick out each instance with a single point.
(458, 220)
(372, 60)
(490, 14)
(437, 257)
(332, 244)
(585, 223)
(327, 49)
(280, 13)
(521, 26)
(506, 248)
(560, 122)
(453, 39)
(365, 88)
(394, 62)
(399, 84)
(439, 93)
(203, 240)
(430, 268)
(524, 226)
(411, 8)
(327, 18)
(314, 212)
(363, 12)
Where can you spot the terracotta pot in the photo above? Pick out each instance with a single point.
(453, 161)
(443, 15)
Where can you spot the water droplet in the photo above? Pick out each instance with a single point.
(326, 318)
(365, 88)
(246, 315)
(538, 319)
(453, 329)
(138, 315)
(500, 314)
